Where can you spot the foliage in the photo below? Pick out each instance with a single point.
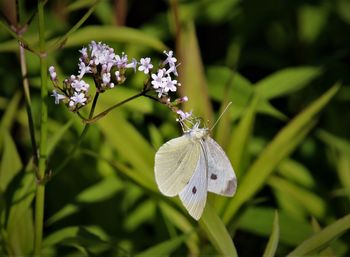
(282, 64)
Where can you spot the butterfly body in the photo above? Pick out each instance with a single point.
(192, 165)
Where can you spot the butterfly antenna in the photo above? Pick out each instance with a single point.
(216, 122)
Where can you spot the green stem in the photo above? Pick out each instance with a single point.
(81, 137)
(105, 112)
(40, 190)
(28, 105)
(19, 38)
(63, 39)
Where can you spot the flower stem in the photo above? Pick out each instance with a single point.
(40, 190)
(28, 105)
(81, 137)
(105, 112)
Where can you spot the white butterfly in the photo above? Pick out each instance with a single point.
(191, 165)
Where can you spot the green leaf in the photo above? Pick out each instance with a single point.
(289, 204)
(279, 148)
(164, 248)
(142, 213)
(272, 244)
(129, 143)
(296, 172)
(317, 228)
(95, 193)
(57, 236)
(321, 239)
(284, 82)
(59, 134)
(241, 91)
(217, 232)
(85, 35)
(10, 114)
(343, 169)
(70, 232)
(338, 143)
(140, 178)
(176, 218)
(259, 220)
(219, 76)
(342, 162)
(10, 163)
(88, 242)
(192, 74)
(311, 202)
(312, 20)
(155, 136)
(237, 150)
(20, 228)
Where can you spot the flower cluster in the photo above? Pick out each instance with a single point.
(162, 81)
(74, 91)
(108, 69)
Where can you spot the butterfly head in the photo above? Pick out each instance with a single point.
(196, 132)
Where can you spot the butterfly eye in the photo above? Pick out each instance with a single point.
(194, 190)
(213, 176)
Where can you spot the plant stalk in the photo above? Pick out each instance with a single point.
(28, 105)
(82, 135)
(40, 190)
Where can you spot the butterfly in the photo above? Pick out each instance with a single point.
(192, 165)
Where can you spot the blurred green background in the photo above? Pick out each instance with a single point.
(272, 59)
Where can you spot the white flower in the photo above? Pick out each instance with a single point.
(146, 65)
(169, 84)
(160, 92)
(133, 64)
(170, 59)
(117, 75)
(77, 98)
(183, 115)
(121, 61)
(172, 69)
(102, 53)
(53, 74)
(106, 78)
(84, 52)
(158, 79)
(83, 69)
(80, 85)
(58, 97)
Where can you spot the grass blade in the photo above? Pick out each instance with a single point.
(241, 135)
(310, 201)
(164, 248)
(217, 232)
(274, 238)
(192, 74)
(95, 193)
(286, 81)
(322, 239)
(261, 226)
(281, 146)
(10, 161)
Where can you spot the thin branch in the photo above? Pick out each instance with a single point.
(81, 137)
(60, 42)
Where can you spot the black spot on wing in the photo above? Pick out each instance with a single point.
(194, 190)
(213, 176)
(230, 187)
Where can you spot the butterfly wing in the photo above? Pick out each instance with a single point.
(221, 177)
(194, 195)
(175, 163)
